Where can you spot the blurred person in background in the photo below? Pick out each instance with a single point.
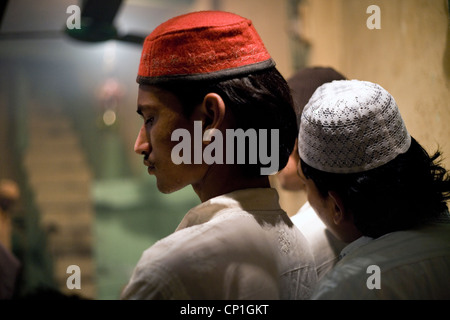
(10, 266)
(325, 246)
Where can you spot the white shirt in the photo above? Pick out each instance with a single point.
(413, 264)
(240, 245)
(324, 245)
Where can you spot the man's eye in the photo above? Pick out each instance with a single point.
(149, 120)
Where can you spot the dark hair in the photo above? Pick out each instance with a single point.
(410, 190)
(261, 100)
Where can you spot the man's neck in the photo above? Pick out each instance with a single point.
(222, 179)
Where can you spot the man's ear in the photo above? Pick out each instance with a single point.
(339, 212)
(213, 109)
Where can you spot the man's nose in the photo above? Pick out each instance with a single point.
(142, 146)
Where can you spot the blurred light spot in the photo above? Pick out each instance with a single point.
(109, 117)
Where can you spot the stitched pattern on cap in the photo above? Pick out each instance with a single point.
(351, 126)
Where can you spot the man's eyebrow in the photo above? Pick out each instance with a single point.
(141, 108)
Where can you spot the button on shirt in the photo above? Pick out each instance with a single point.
(412, 265)
(240, 245)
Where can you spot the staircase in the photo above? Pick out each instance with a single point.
(61, 179)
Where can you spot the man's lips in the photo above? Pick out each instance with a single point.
(149, 164)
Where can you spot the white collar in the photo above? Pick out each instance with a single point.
(252, 199)
(363, 240)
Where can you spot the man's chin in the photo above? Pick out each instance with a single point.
(167, 188)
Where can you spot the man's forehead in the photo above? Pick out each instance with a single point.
(148, 88)
(148, 93)
(154, 97)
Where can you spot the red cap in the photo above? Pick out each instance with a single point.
(202, 45)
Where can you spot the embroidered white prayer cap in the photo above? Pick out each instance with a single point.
(351, 126)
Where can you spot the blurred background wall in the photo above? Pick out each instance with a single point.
(68, 120)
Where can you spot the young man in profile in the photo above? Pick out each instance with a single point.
(208, 74)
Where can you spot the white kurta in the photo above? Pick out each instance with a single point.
(413, 264)
(240, 245)
(324, 245)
